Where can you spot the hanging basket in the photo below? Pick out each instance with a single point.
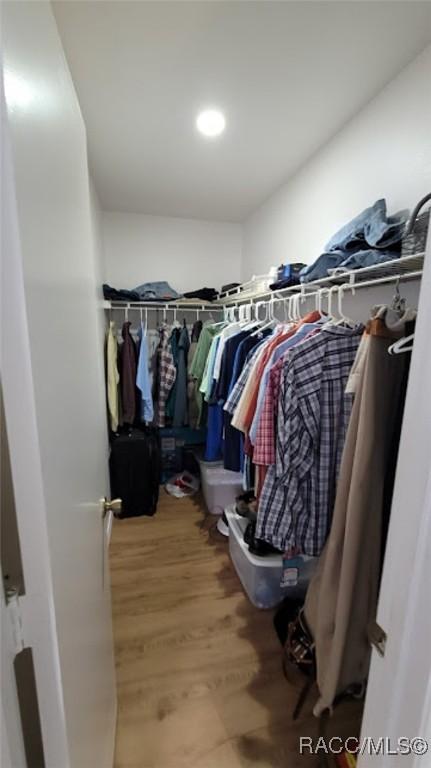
(415, 236)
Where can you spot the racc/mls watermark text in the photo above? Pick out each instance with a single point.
(366, 746)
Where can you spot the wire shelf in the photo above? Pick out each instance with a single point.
(257, 290)
(165, 305)
(404, 268)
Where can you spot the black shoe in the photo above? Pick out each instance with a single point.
(262, 548)
(246, 496)
(249, 533)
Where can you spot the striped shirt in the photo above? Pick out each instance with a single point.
(238, 388)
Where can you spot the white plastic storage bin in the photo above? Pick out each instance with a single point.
(220, 486)
(261, 576)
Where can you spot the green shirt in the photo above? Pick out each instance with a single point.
(197, 367)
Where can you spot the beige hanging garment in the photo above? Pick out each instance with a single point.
(342, 597)
(112, 376)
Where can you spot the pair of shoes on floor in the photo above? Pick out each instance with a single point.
(246, 505)
(223, 525)
(258, 546)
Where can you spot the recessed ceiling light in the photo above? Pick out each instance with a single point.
(211, 122)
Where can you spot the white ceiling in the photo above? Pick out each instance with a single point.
(288, 75)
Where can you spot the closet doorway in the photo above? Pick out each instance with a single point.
(150, 150)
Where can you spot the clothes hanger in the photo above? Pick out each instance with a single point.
(291, 308)
(398, 348)
(257, 319)
(269, 320)
(175, 323)
(331, 317)
(251, 322)
(298, 307)
(320, 293)
(318, 303)
(295, 316)
(164, 316)
(343, 317)
(243, 319)
(398, 302)
(264, 321)
(335, 314)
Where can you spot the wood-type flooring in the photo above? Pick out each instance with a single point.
(199, 676)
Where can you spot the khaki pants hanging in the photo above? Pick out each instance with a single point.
(342, 597)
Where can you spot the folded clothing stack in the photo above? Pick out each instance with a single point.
(371, 238)
(119, 294)
(156, 291)
(206, 294)
(160, 291)
(287, 275)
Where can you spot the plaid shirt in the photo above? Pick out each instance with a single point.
(264, 447)
(167, 374)
(298, 495)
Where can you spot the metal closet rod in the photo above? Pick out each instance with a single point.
(157, 307)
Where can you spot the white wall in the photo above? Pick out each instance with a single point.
(188, 253)
(99, 272)
(385, 151)
(96, 226)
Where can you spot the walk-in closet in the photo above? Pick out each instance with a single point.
(215, 376)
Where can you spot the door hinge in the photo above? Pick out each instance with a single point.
(14, 611)
(377, 637)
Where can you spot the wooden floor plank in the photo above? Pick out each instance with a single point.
(198, 667)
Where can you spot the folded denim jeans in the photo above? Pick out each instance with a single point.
(158, 291)
(383, 231)
(328, 262)
(368, 258)
(119, 294)
(370, 238)
(371, 227)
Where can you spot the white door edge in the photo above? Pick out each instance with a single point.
(23, 441)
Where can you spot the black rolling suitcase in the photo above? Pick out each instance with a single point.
(134, 466)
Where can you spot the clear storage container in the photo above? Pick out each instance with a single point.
(220, 486)
(261, 577)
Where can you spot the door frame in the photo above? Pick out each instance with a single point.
(12, 748)
(37, 605)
